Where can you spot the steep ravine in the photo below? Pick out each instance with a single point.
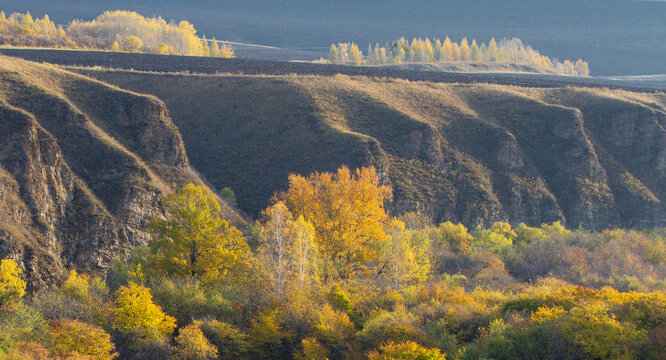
(83, 166)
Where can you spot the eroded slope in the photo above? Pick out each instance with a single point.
(470, 153)
(83, 166)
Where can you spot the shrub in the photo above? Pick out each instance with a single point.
(267, 340)
(23, 324)
(396, 326)
(405, 350)
(230, 341)
(76, 286)
(311, 350)
(12, 287)
(191, 344)
(71, 338)
(26, 351)
(53, 304)
(186, 299)
(135, 313)
(334, 330)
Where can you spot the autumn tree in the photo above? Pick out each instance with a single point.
(276, 248)
(405, 350)
(74, 339)
(135, 314)
(194, 241)
(132, 43)
(465, 51)
(304, 251)
(12, 287)
(191, 344)
(355, 55)
(347, 211)
(407, 260)
(333, 55)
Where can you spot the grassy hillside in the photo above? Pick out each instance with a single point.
(471, 153)
(82, 166)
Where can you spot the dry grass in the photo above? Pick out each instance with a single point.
(441, 143)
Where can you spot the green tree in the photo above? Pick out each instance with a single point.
(230, 341)
(194, 240)
(475, 53)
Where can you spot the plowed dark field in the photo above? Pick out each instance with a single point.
(205, 65)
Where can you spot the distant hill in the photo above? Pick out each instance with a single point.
(473, 153)
(615, 37)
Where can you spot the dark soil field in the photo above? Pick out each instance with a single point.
(206, 65)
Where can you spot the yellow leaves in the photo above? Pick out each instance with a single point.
(347, 211)
(12, 287)
(75, 286)
(191, 344)
(71, 338)
(194, 240)
(135, 313)
(455, 236)
(547, 314)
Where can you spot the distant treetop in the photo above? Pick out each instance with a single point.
(113, 30)
(425, 50)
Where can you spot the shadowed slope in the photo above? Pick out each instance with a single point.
(470, 153)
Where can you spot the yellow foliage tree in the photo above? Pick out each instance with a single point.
(76, 286)
(132, 43)
(136, 314)
(12, 287)
(406, 259)
(347, 211)
(355, 55)
(405, 350)
(194, 240)
(276, 250)
(73, 339)
(191, 344)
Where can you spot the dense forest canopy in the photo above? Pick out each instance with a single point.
(327, 273)
(113, 30)
(426, 50)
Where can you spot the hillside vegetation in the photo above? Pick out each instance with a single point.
(82, 164)
(113, 30)
(474, 154)
(326, 273)
(428, 51)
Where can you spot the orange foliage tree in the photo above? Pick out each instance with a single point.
(347, 211)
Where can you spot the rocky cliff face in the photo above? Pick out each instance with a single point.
(468, 153)
(83, 167)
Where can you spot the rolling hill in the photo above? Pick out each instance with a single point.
(474, 153)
